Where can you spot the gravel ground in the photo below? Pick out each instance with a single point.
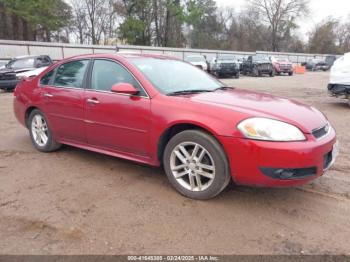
(78, 202)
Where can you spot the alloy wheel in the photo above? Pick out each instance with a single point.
(39, 130)
(192, 166)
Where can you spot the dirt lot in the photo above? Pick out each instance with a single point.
(77, 202)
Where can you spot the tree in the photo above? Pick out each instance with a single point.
(138, 17)
(280, 16)
(205, 31)
(43, 16)
(330, 36)
(246, 32)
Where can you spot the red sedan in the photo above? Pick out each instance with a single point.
(161, 111)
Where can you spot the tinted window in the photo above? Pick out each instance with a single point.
(45, 80)
(43, 61)
(107, 73)
(71, 74)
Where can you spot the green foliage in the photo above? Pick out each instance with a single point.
(132, 30)
(49, 14)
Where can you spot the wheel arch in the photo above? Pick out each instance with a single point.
(178, 127)
(27, 113)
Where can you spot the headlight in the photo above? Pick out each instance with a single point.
(270, 130)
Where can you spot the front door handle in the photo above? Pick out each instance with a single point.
(48, 95)
(92, 101)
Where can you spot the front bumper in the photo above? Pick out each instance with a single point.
(251, 159)
(285, 70)
(339, 90)
(8, 84)
(226, 71)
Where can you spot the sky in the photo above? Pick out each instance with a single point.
(319, 10)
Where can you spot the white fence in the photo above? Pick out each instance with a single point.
(58, 51)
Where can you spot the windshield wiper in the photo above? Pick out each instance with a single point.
(224, 88)
(193, 91)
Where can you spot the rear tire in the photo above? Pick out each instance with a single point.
(196, 165)
(290, 73)
(40, 132)
(256, 72)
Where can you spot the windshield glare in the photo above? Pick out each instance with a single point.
(21, 63)
(261, 58)
(223, 58)
(195, 59)
(170, 76)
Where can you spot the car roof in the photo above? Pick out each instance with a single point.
(195, 56)
(121, 55)
(28, 56)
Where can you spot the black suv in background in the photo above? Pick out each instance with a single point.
(225, 66)
(316, 65)
(257, 65)
(8, 73)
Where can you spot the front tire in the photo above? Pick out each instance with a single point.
(40, 132)
(196, 165)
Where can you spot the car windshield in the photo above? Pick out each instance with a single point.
(170, 76)
(223, 58)
(195, 59)
(261, 58)
(21, 63)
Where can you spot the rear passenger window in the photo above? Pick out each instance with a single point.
(106, 73)
(45, 80)
(71, 74)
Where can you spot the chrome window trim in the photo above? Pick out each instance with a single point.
(115, 93)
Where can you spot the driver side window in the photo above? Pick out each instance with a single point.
(107, 73)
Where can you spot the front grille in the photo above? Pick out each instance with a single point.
(8, 77)
(321, 132)
(285, 67)
(265, 66)
(228, 66)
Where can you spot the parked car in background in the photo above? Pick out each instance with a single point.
(9, 73)
(257, 65)
(225, 66)
(339, 82)
(173, 115)
(330, 59)
(2, 64)
(316, 65)
(198, 60)
(30, 73)
(282, 65)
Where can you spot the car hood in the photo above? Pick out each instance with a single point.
(254, 104)
(262, 62)
(10, 70)
(33, 72)
(227, 62)
(285, 63)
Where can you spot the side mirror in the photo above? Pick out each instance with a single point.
(124, 88)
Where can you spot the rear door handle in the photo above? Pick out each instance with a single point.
(92, 101)
(48, 95)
